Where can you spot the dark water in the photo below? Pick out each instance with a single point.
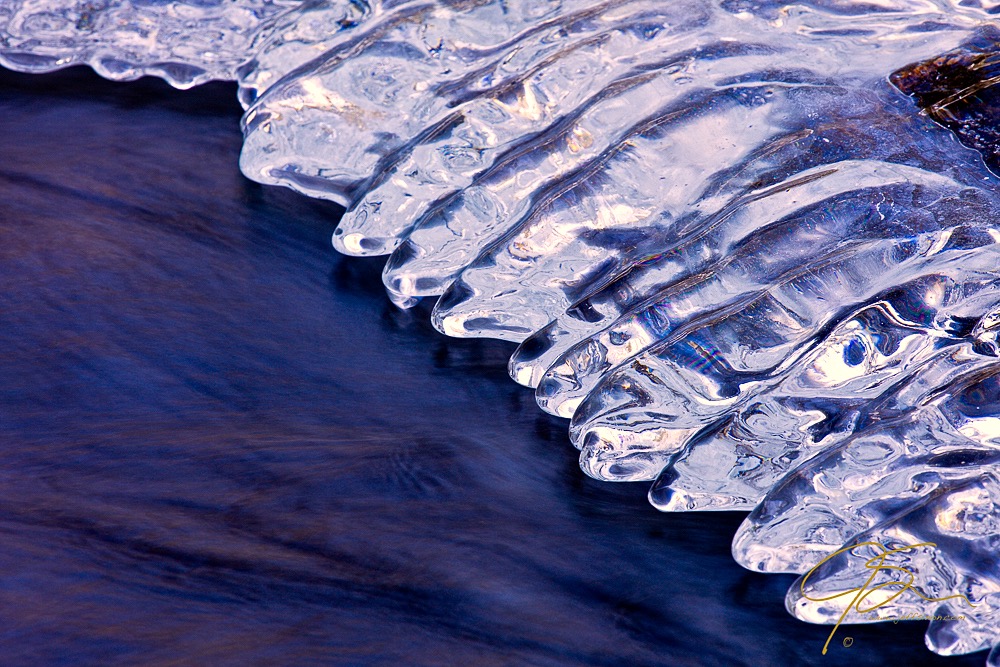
(222, 445)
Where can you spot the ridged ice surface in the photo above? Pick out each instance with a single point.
(751, 249)
(186, 43)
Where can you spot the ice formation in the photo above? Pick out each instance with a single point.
(748, 247)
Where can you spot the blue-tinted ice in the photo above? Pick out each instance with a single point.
(751, 249)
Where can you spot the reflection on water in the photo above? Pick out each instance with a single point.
(222, 445)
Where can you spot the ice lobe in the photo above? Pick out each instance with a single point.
(750, 249)
(186, 43)
(942, 556)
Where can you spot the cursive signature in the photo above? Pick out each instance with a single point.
(875, 564)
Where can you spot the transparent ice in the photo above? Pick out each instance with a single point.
(751, 249)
